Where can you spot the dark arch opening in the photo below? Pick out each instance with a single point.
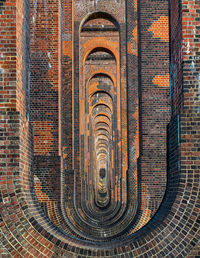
(101, 91)
(101, 49)
(102, 124)
(100, 15)
(102, 130)
(102, 115)
(102, 172)
(101, 108)
(103, 75)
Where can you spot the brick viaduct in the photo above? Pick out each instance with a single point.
(99, 128)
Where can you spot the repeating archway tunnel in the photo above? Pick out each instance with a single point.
(105, 190)
(93, 161)
(99, 183)
(102, 176)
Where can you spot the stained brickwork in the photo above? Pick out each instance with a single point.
(66, 90)
(153, 49)
(44, 96)
(176, 57)
(61, 116)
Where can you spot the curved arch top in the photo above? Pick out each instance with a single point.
(101, 72)
(99, 43)
(99, 14)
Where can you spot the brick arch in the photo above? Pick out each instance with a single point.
(105, 74)
(103, 104)
(96, 15)
(100, 49)
(101, 72)
(102, 123)
(174, 230)
(98, 43)
(95, 48)
(102, 115)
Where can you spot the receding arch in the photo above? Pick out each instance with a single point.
(97, 130)
(100, 49)
(104, 138)
(101, 43)
(102, 115)
(102, 91)
(101, 108)
(97, 15)
(102, 135)
(102, 124)
(103, 73)
(101, 144)
(102, 130)
(102, 151)
(102, 119)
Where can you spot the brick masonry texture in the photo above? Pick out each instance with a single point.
(124, 72)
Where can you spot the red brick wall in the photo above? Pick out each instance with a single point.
(174, 230)
(8, 55)
(154, 103)
(44, 93)
(176, 57)
(66, 92)
(44, 76)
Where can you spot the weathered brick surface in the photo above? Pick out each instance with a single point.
(44, 96)
(153, 103)
(42, 170)
(176, 57)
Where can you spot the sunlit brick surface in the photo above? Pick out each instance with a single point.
(99, 128)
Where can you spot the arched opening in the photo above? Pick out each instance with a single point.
(100, 54)
(98, 22)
